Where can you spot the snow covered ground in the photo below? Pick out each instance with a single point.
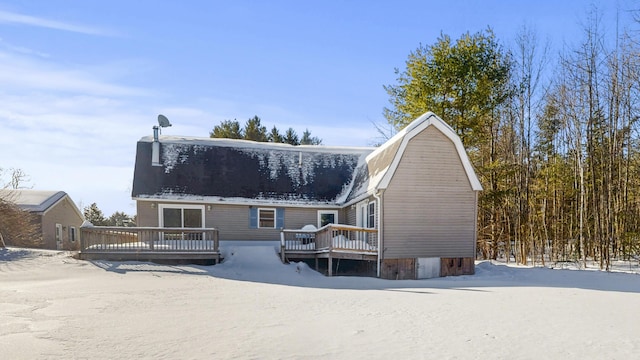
(55, 307)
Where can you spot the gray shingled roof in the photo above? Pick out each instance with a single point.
(224, 169)
(32, 200)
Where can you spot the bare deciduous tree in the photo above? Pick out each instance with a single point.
(18, 227)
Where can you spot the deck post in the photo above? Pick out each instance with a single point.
(330, 265)
(216, 245)
(282, 255)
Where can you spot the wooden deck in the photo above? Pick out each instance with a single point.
(148, 243)
(329, 242)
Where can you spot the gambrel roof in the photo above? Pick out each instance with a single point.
(240, 171)
(225, 170)
(381, 164)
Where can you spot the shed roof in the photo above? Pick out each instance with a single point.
(32, 200)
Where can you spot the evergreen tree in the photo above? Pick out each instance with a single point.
(463, 82)
(253, 130)
(229, 129)
(119, 218)
(307, 139)
(291, 137)
(275, 136)
(94, 215)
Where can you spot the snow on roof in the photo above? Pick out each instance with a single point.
(243, 171)
(402, 138)
(240, 171)
(249, 144)
(32, 200)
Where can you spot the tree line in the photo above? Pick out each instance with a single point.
(554, 139)
(95, 216)
(255, 131)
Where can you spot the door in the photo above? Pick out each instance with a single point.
(361, 220)
(428, 268)
(59, 243)
(361, 215)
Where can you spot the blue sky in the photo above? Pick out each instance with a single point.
(81, 81)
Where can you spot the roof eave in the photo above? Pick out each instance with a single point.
(237, 202)
(415, 128)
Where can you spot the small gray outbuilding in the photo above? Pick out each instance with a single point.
(58, 217)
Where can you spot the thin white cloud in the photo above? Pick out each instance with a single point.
(20, 72)
(21, 19)
(22, 50)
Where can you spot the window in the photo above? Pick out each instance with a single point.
(181, 216)
(266, 218)
(72, 233)
(188, 216)
(326, 217)
(172, 218)
(371, 216)
(366, 214)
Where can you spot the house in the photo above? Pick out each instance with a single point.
(59, 219)
(413, 199)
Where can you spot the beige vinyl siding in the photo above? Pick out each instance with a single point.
(232, 221)
(350, 215)
(352, 212)
(147, 215)
(64, 213)
(429, 205)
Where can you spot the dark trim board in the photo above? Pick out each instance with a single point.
(328, 255)
(292, 255)
(348, 256)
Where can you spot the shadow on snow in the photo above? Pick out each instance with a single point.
(261, 264)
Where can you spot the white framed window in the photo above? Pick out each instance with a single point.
(266, 218)
(366, 214)
(72, 233)
(181, 216)
(326, 217)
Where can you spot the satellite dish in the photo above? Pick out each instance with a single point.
(163, 121)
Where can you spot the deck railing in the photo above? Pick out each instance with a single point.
(103, 239)
(332, 237)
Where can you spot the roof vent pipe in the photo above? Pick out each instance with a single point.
(155, 148)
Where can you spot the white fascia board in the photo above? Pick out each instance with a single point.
(237, 201)
(415, 128)
(370, 192)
